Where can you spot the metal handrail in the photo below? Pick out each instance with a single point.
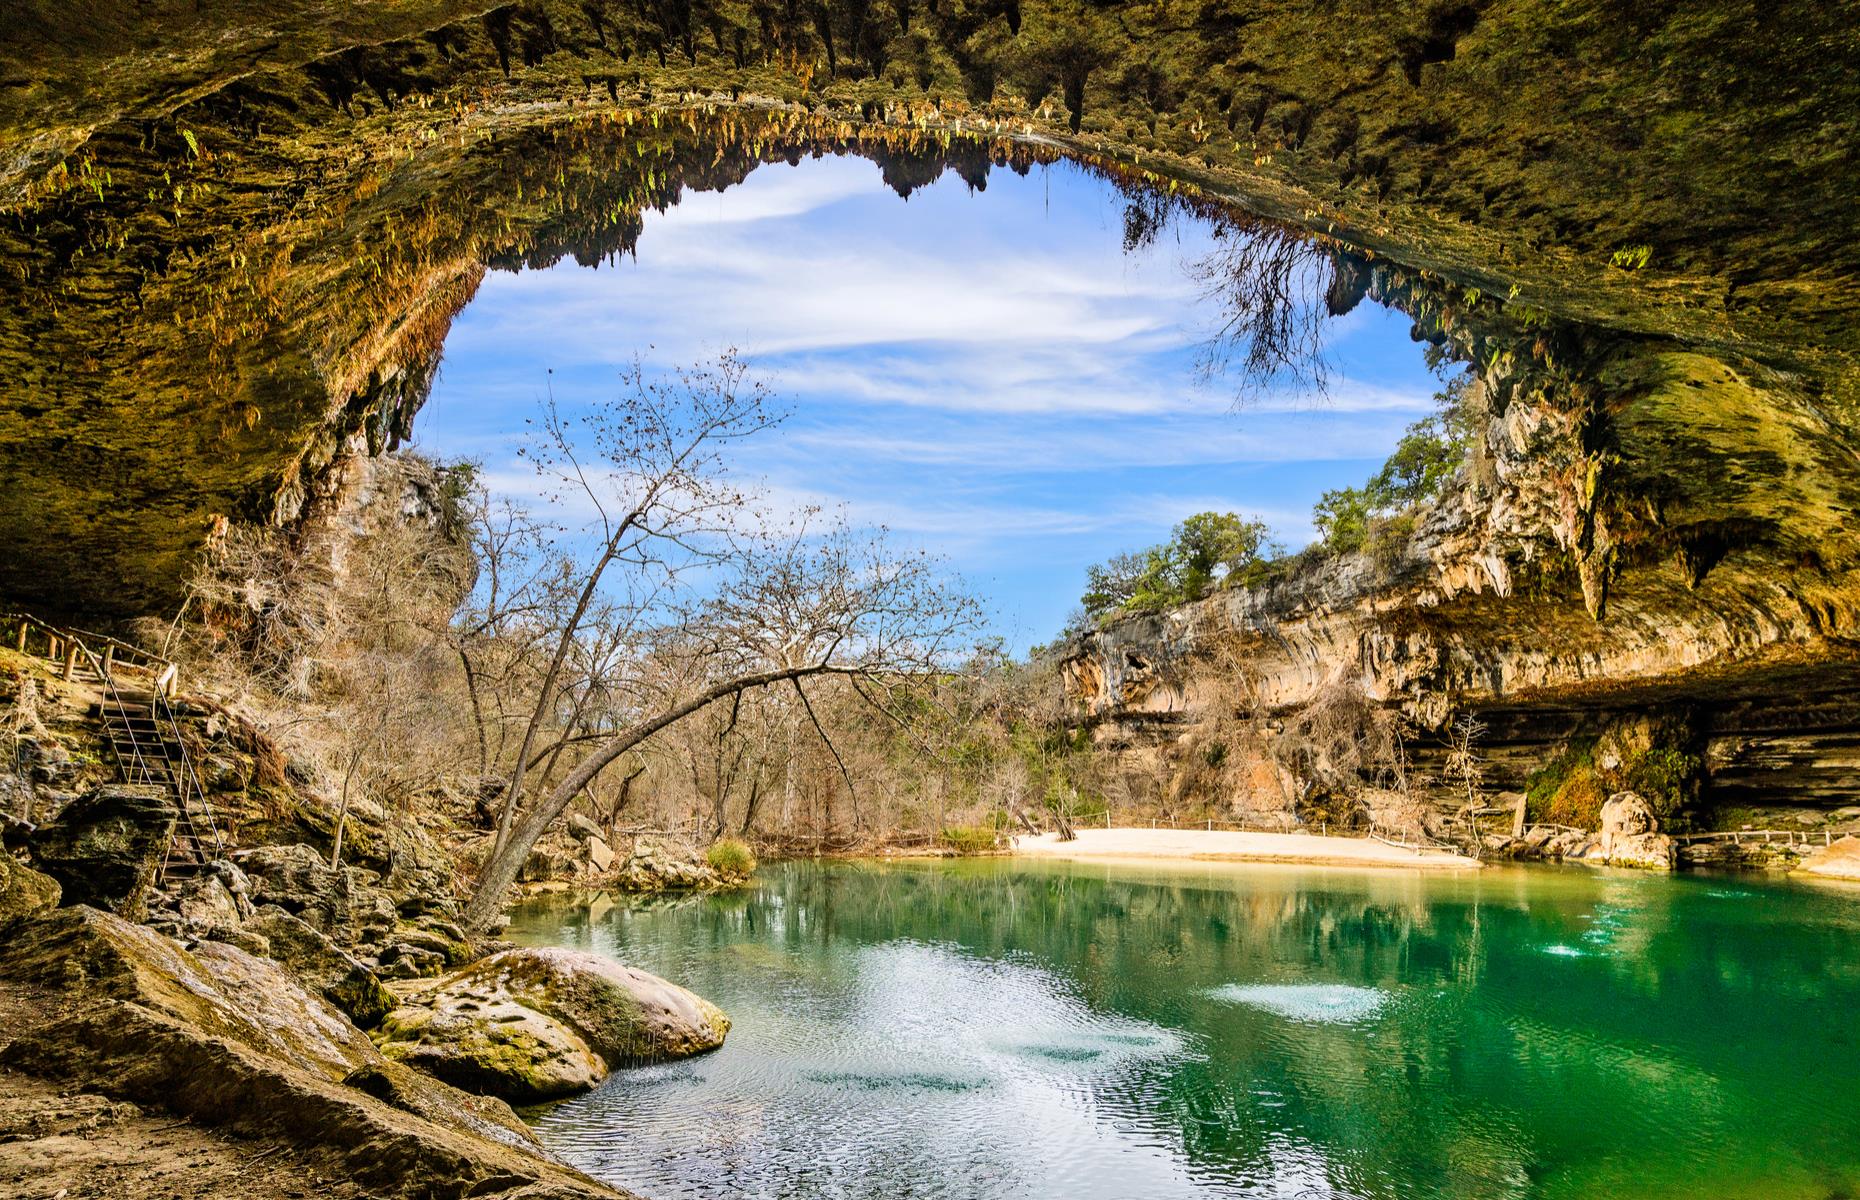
(180, 785)
(192, 780)
(109, 683)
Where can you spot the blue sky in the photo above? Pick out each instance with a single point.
(987, 373)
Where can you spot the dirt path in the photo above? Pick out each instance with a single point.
(1221, 845)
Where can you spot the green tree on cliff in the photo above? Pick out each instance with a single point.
(1201, 552)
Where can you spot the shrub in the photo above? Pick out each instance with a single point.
(969, 839)
(1544, 786)
(1665, 777)
(728, 856)
(1578, 801)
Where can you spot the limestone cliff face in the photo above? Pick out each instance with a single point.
(1744, 614)
(234, 237)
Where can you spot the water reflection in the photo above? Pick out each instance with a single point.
(989, 1029)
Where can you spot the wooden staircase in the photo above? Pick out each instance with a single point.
(145, 741)
(140, 727)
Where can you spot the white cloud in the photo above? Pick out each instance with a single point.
(1018, 396)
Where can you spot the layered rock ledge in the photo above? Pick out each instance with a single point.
(232, 1043)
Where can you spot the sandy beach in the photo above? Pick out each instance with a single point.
(1222, 845)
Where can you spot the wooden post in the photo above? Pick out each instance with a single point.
(109, 659)
(23, 627)
(71, 650)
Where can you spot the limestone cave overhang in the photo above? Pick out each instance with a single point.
(234, 236)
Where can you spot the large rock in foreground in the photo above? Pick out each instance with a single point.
(534, 1024)
(226, 1039)
(107, 846)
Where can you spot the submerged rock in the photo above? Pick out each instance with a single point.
(533, 1024)
(106, 847)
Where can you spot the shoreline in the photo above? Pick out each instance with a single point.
(1231, 846)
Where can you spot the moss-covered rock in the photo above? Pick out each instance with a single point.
(533, 1024)
(322, 966)
(24, 891)
(490, 1043)
(106, 848)
(93, 956)
(222, 1038)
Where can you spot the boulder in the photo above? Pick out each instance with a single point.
(238, 885)
(600, 854)
(204, 903)
(24, 891)
(404, 961)
(1630, 835)
(93, 956)
(530, 1024)
(106, 848)
(543, 863)
(437, 937)
(1841, 860)
(655, 868)
(322, 966)
(490, 1043)
(583, 828)
(343, 903)
(221, 1038)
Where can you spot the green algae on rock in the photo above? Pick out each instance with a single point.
(227, 1039)
(24, 891)
(536, 1024)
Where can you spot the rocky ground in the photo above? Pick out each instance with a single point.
(228, 1027)
(58, 1140)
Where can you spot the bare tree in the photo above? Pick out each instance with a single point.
(1465, 765)
(816, 600)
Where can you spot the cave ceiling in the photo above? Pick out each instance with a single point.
(234, 235)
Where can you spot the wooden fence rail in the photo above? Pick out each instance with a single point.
(1788, 837)
(105, 654)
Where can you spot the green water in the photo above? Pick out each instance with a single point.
(1001, 1029)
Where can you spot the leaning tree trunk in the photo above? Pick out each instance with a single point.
(507, 859)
